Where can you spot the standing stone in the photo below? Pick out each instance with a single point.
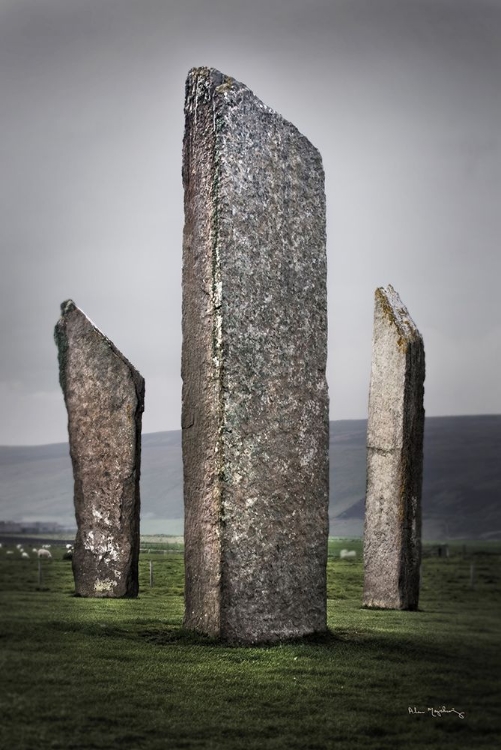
(104, 396)
(255, 402)
(392, 536)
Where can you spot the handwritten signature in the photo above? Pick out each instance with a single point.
(436, 711)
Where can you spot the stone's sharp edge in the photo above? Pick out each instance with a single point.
(390, 301)
(200, 363)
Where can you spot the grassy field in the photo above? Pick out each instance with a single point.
(86, 673)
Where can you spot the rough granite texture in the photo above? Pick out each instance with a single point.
(255, 401)
(104, 396)
(392, 535)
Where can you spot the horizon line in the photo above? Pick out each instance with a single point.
(349, 419)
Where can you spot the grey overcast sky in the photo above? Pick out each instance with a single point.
(401, 97)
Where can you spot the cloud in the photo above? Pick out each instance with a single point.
(403, 101)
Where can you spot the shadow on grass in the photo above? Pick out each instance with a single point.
(388, 647)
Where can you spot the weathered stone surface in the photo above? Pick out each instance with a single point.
(104, 396)
(255, 401)
(392, 535)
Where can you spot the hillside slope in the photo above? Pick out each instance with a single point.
(461, 486)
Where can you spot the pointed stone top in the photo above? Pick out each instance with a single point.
(67, 306)
(391, 305)
(72, 317)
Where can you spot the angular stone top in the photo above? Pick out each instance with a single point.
(82, 325)
(391, 305)
(397, 371)
(208, 85)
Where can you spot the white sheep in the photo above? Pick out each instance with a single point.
(69, 546)
(9, 552)
(46, 546)
(347, 554)
(44, 553)
(19, 546)
(24, 554)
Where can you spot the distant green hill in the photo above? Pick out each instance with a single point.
(461, 487)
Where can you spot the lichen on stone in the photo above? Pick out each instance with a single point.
(104, 397)
(254, 356)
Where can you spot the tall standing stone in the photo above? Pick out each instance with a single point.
(392, 535)
(104, 396)
(255, 401)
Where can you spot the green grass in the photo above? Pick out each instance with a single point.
(87, 673)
